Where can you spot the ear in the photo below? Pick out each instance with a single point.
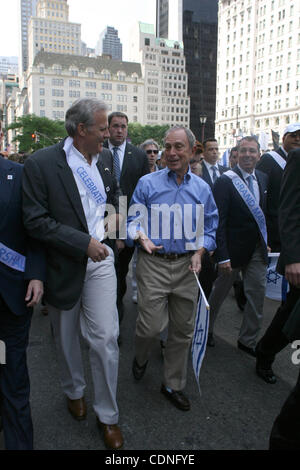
(81, 129)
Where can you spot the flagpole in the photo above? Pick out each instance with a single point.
(201, 290)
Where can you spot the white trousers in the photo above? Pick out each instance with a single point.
(95, 314)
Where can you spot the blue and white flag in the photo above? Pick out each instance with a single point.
(225, 158)
(277, 286)
(200, 333)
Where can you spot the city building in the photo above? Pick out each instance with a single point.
(26, 9)
(51, 31)
(109, 43)
(258, 71)
(8, 65)
(195, 23)
(55, 81)
(166, 99)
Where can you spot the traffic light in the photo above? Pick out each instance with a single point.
(35, 137)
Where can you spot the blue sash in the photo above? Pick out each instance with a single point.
(12, 258)
(278, 159)
(250, 202)
(98, 195)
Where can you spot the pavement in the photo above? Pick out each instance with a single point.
(234, 409)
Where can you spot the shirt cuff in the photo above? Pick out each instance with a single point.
(225, 261)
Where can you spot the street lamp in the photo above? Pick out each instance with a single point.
(203, 119)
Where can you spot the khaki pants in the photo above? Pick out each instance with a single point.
(167, 295)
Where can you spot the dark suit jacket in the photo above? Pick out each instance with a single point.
(289, 212)
(135, 165)
(238, 232)
(13, 284)
(268, 165)
(53, 213)
(206, 176)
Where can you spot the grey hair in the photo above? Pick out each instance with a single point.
(82, 111)
(248, 138)
(149, 142)
(190, 135)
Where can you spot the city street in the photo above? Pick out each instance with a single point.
(235, 411)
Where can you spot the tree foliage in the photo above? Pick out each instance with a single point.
(138, 133)
(48, 132)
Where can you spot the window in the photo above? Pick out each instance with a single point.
(42, 91)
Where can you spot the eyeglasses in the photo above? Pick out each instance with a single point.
(148, 152)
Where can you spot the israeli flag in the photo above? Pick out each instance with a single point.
(277, 286)
(200, 333)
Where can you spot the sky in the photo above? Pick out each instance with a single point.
(94, 16)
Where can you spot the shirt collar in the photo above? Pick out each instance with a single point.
(69, 147)
(121, 147)
(245, 174)
(187, 175)
(209, 165)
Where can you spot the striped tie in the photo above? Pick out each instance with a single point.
(117, 171)
(250, 184)
(215, 176)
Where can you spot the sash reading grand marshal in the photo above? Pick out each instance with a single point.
(250, 202)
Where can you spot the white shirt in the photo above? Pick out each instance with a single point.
(121, 151)
(255, 183)
(94, 213)
(210, 170)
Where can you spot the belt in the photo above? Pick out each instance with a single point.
(170, 256)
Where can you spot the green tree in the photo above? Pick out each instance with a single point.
(138, 133)
(48, 132)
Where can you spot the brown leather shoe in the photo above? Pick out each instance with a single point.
(112, 435)
(77, 408)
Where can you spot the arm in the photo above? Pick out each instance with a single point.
(38, 220)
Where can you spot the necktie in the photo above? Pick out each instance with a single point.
(250, 183)
(215, 176)
(117, 171)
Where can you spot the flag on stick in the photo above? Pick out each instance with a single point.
(200, 333)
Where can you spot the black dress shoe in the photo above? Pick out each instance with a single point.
(246, 349)
(177, 398)
(266, 374)
(137, 370)
(210, 340)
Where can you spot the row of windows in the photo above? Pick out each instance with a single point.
(76, 94)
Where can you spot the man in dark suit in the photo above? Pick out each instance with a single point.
(22, 272)
(285, 433)
(273, 341)
(130, 164)
(211, 169)
(273, 164)
(240, 195)
(67, 189)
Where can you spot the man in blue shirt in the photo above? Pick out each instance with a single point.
(173, 218)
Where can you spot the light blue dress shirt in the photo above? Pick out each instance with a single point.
(173, 229)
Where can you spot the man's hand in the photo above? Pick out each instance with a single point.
(34, 292)
(97, 251)
(195, 265)
(147, 244)
(292, 274)
(225, 268)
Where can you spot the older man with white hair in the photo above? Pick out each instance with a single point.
(66, 190)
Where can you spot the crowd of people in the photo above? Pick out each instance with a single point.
(75, 215)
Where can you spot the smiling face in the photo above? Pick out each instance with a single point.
(248, 155)
(178, 152)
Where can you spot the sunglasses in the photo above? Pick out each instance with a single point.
(148, 152)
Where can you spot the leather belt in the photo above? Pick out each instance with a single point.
(170, 256)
